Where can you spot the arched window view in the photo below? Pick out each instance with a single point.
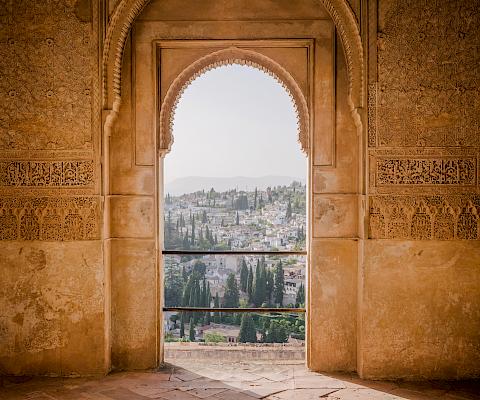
(235, 220)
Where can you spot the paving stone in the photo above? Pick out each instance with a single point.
(177, 395)
(301, 394)
(318, 382)
(232, 381)
(203, 393)
(233, 395)
(122, 394)
(361, 394)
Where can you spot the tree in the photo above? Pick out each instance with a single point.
(182, 327)
(243, 276)
(250, 284)
(288, 215)
(191, 334)
(269, 286)
(237, 219)
(300, 298)
(231, 296)
(193, 230)
(279, 283)
(248, 333)
(259, 287)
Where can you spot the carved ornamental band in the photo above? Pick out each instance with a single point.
(49, 218)
(425, 217)
(430, 171)
(46, 173)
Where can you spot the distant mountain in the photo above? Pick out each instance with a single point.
(192, 184)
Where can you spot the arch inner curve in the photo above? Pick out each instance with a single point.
(225, 57)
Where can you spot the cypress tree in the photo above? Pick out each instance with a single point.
(204, 293)
(182, 328)
(208, 297)
(250, 284)
(259, 289)
(289, 211)
(278, 286)
(193, 230)
(243, 276)
(186, 241)
(237, 219)
(248, 333)
(191, 334)
(231, 296)
(300, 298)
(269, 285)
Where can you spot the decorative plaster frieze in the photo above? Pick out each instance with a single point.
(47, 89)
(49, 218)
(425, 171)
(46, 174)
(440, 217)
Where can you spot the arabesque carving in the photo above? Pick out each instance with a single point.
(46, 173)
(127, 10)
(49, 218)
(426, 171)
(425, 217)
(429, 74)
(47, 76)
(230, 56)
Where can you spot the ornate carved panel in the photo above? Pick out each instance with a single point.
(46, 173)
(428, 74)
(47, 75)
(425, 171)
(49, 218)
(425, 217)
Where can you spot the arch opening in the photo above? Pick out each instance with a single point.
(225, 57)
(244, 224)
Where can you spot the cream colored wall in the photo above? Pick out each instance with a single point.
(420, 292)
(421, 310)
(52, 277)
(401, 300)
(333, 159)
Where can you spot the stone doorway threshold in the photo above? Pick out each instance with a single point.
(189, 380)
(236, 352)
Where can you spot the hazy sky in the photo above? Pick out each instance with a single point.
(235, 121)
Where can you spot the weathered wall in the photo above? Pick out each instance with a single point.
(333, 157)
(421, 296)
(51, 263)
(52, 308)
(402, 303)
(422, 309)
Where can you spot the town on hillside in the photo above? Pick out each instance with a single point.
(235, 220)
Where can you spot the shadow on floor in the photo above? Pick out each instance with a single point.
(191, 380)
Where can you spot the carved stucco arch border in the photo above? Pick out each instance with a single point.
(126, 11)
(229, 56)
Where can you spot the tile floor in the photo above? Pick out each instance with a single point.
(187, 380)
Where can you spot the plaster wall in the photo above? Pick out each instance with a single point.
(421, 310)
(419, 282)
(52, 308)
(394, 209)
(334, 159)
(52, 276)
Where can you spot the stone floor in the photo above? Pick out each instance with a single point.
(234, 381)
